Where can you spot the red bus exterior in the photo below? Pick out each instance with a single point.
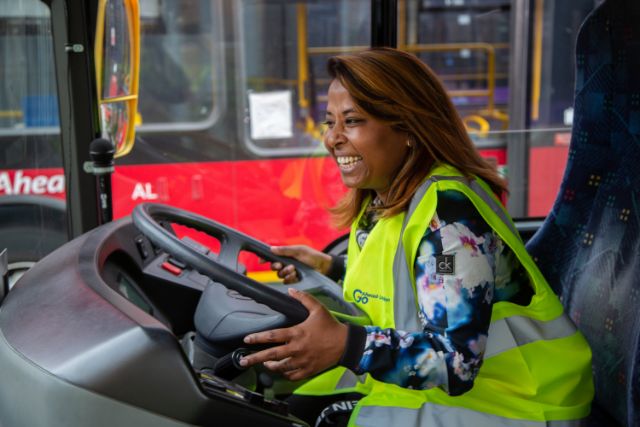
(282, 202)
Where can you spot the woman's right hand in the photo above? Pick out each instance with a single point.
(315, 259)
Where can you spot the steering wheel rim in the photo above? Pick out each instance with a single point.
(223, 269)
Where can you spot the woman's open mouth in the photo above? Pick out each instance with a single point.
(348, 163)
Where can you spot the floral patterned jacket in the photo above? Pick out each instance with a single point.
(455, 310)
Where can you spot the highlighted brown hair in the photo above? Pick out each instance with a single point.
(398, 90)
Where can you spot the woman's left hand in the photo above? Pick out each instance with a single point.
(305, 349)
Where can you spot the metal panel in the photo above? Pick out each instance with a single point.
(518, 94)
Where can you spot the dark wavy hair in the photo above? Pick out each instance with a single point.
(399, 90)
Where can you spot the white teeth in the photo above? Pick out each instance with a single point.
(347, 160)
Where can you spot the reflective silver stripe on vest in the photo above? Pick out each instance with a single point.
(480, 192)
(429, 415)
(516, 331)
(349, 380)
(405, 314)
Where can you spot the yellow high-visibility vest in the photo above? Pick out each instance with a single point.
(537, 365)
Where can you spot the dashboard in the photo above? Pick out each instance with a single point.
(99, 326)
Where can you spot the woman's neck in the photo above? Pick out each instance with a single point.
(380, 197)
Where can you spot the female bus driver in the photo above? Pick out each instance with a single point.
(464, 328)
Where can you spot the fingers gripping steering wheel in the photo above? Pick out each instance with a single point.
(147, 218)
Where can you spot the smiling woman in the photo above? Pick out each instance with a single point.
(415, 120)
(460, 316)
(435, 262)
(369, 153)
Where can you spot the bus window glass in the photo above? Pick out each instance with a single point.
(471, 46)
(28, 96)
(467, 46)
(181, 63)
(284, 49)
(32, 215)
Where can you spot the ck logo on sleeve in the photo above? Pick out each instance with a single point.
(445, 264)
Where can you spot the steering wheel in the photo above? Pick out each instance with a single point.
(222, 269)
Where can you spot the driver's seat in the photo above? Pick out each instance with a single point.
(589, 246)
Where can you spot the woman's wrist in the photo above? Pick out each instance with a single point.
(354, 347)
(324, 264)
(336, 268)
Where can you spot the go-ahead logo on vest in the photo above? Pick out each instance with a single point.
(363, 297)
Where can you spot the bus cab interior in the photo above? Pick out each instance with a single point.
(128, 324)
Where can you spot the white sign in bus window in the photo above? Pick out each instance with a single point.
(270, 114)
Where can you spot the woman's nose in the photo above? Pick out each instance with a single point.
(334, 136)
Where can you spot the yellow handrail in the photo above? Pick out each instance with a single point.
(303, 58)
(11, 114)
(309, 124)
(402, 19)
(536, 68)
(329, 50)
(449, 47)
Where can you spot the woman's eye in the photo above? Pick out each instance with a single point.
(353, 121)
(328, 123)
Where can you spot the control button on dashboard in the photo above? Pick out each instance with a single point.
(142, 247)
(176, 271)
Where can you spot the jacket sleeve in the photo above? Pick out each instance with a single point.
(338, 268)
(454, 308)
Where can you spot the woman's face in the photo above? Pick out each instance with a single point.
(368, 152)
